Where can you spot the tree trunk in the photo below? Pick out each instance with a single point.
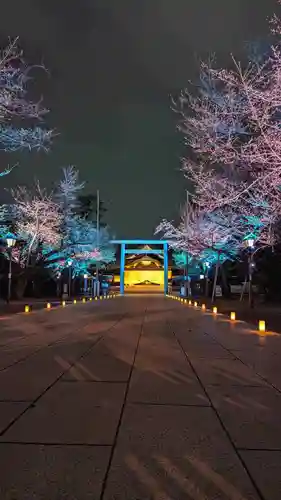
(20, 287)
(224, 280)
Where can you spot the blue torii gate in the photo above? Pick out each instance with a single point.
(124, 251)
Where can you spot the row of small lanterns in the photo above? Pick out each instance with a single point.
(27, 308)
(261, 328)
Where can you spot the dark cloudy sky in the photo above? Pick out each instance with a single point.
(113, 65)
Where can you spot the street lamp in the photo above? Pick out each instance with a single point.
(206, 267)
(69, 263)
(85, 283)
(11, 241)
(249, 242)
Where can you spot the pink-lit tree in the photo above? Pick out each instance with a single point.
(231, 124)
(208, 237)
(38, 222)
(16, 109)
(234, 130)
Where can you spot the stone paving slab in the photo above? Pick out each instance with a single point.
(169, 386)
(257, 356)
(251, 415)
(101, 365)
(52, 472)
(26, 380)
(175, 453)
(10, 355)
(226, 372)
(110, 361)
(163, 375)
(9, 412)
(265, 467)
(68, 351)
(201, 350)
(72, 413)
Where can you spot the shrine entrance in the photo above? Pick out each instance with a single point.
(143, 268)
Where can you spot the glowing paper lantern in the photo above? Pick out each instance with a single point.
(261, 325)
(215, 310)
(233, 316)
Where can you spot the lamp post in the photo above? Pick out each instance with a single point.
(250, 244)
(69, 263)
(206, 268)
(85, 283)
(11, 241)
(97, 293)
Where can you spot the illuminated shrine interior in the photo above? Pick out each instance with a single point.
(146, 270)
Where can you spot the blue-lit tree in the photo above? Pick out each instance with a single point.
(82, 243)
(207, 237)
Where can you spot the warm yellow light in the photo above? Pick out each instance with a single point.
(261, 325)
(75, 301)
(185, 301)
(181, 300)
(195, 304)
(48, 305)
(233, 316)
(91, 299)
(84, 300)
(189, 302)
(96, 298)
(26, 309)
(215, 310)
(203, 307)
(63, 303)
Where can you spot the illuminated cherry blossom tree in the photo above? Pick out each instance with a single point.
(68, 190)
(233, 127)
(16, 108)
(38, 221)
(81, 242)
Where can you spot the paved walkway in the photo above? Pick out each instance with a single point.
(138, 398)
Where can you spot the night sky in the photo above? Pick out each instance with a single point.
(113, 65)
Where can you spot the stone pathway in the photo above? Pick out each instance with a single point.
(138, 398)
